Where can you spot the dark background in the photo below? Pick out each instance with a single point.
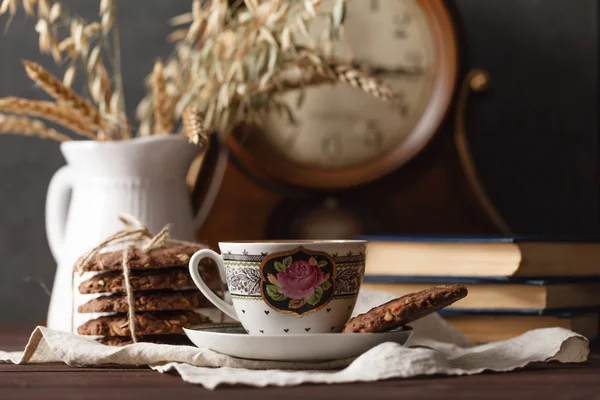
(534, 133)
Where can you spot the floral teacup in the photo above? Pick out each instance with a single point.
(287, 287)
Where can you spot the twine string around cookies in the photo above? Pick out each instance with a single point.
(139, 237)
(130, 300)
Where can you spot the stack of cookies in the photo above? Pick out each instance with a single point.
(165, 297)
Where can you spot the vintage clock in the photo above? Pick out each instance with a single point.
(344, 137)
(342, 169)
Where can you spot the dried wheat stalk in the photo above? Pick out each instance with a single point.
(28, 5)
(312, 76)
(84, 46)
(193, 126)
(10, 6)
(161, 102)
(65, 96)
(231, 62)
(49, 111)
(29, 127)
(105, 83)
(107, 14)
(363, 81)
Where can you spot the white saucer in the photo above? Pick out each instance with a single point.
(232, 340)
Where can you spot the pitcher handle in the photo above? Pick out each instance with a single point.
(57, 207)
(213, 298)
(209, 179)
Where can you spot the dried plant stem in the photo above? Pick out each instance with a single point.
(334, 73)
(49, 111)
(161, 102)
(9, 5)
(193, 126)
(105, 84)
(118, 76)
(363, 81)
(29, 127)
(55, 88)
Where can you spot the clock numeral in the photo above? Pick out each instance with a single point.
(401, 23)
(404, 109)
(400, 34)
(332, 146)
(414, 58)
(292, 134)
(402, 20)
(400, 96)
(373, 135)
(400, 105)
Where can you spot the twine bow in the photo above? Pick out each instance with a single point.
(140, 237)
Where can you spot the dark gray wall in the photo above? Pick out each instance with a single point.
(27, 164)
(534, 133)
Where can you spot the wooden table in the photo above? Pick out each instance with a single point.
(57, 381)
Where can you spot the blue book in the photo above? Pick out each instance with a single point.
(483, 257)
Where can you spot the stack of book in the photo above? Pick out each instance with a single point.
(514, 285)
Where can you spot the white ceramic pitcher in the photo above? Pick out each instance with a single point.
(144, 177)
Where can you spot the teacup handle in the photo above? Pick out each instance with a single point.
(213, 298)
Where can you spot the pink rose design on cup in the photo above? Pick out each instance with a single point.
(300, 280)
(300, 284)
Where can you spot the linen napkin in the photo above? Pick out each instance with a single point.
(434, 348)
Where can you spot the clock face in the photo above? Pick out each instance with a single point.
(345, 137)
(339, 126)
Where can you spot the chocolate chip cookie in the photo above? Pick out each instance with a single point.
(177, 340)
(147, 323)
(176, 256)
(406, 309)
(147, 301)
(171, 278)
